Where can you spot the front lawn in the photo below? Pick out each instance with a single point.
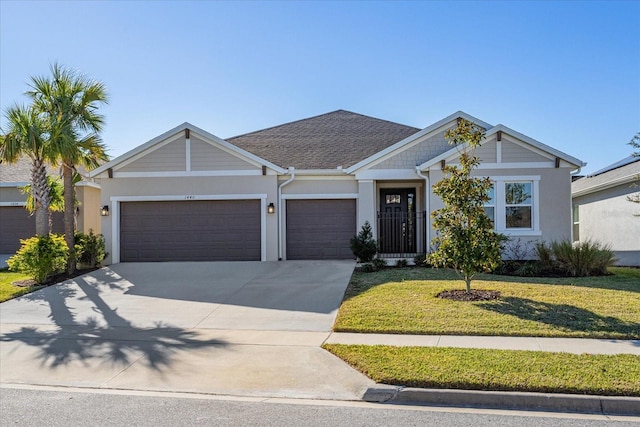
(403, 301)
(500, 370)
(9, 291)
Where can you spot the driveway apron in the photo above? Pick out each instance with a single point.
(238, 328)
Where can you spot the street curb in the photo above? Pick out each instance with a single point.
(608, 405)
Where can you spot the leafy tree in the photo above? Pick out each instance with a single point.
(27, 135)
(69, 102)
(363, 245)
(466, 240)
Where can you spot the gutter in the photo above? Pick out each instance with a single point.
(291, 171)
(427, 208)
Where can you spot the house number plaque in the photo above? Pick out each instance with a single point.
(189, 197)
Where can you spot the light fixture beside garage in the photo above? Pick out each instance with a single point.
(271, 208)
(104, 211)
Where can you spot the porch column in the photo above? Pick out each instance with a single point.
(367, 205)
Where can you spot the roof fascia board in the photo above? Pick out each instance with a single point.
(405, 143)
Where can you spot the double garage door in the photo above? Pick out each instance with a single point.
(229, 230)
(198, 230)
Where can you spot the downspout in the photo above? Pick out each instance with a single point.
(292, 172)
(427, 206)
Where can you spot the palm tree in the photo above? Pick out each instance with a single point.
(69, 101)
(27, 135)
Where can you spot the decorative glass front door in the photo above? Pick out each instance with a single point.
(397, 221)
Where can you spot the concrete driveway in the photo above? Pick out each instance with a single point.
(238, 328)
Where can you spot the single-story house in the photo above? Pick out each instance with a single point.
(303, 189)
(15, 221)
(602, 211)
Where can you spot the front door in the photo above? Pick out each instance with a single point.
(397, 221)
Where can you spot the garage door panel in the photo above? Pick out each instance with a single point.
(320, 229)
(191, 231)
(16, 223)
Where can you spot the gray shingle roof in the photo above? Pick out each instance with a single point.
(20, 171)
(327, 141)
(630, 169)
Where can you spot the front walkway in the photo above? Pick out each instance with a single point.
(566, 345)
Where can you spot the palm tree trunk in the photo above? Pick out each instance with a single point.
(41, 200)
(69, 206)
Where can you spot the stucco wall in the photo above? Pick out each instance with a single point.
(554, 202)
(89, 216)
(608, 217)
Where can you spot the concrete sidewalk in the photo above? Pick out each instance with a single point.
(564, 345)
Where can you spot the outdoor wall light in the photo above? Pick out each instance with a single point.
(104, 211)
(271, 208)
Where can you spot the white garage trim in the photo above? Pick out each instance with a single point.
(13, 203)
(319, 196)
(115, 216)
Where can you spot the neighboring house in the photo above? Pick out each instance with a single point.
(15, 221)
(301, 190)
(603, 213)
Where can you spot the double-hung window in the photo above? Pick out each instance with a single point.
(513, 205)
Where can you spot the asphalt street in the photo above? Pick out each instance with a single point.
(65, 407)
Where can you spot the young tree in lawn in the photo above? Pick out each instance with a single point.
(27, 135)
(69, 101)
(466, 240)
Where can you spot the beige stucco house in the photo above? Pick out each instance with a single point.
(16, 223)
(301, 190)
(602, 211)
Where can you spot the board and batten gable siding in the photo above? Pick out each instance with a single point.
(487, 152)
(416, 154)
(206, 157)
(516, 153)
(168, 158)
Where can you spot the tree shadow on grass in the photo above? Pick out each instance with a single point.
(119, 342)
(563, 316)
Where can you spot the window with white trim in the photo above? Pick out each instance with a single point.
(513, 205)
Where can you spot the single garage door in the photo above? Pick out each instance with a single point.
(320, 229)
(199, 230)
(16, 224)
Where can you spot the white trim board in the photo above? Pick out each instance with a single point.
(115, 214)
(324, 196)
(173, 174)
(15, 204)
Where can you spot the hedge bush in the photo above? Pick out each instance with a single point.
(40, 257)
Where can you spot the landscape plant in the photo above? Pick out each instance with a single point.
(363, 245)
(40, 257)
(465, 240)
(90, 249)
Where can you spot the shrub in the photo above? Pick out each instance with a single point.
(40, 257)
(90, 249)
(379, 263)
(401, 263)
(368, 268)
(363, 244)
(583, 258)
(545, 257)
(420, 260)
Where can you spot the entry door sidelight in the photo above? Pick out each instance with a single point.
(397, 221)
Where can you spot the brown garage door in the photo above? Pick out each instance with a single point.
(320, 229)
(16, 224)
(221, 230)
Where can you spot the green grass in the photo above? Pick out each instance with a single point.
(404, 301)
(9, 291)
(506, 370)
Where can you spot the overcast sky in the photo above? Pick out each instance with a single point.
(564, 73)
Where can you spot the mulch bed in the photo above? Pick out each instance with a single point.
(474, 295)
(55, 279)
